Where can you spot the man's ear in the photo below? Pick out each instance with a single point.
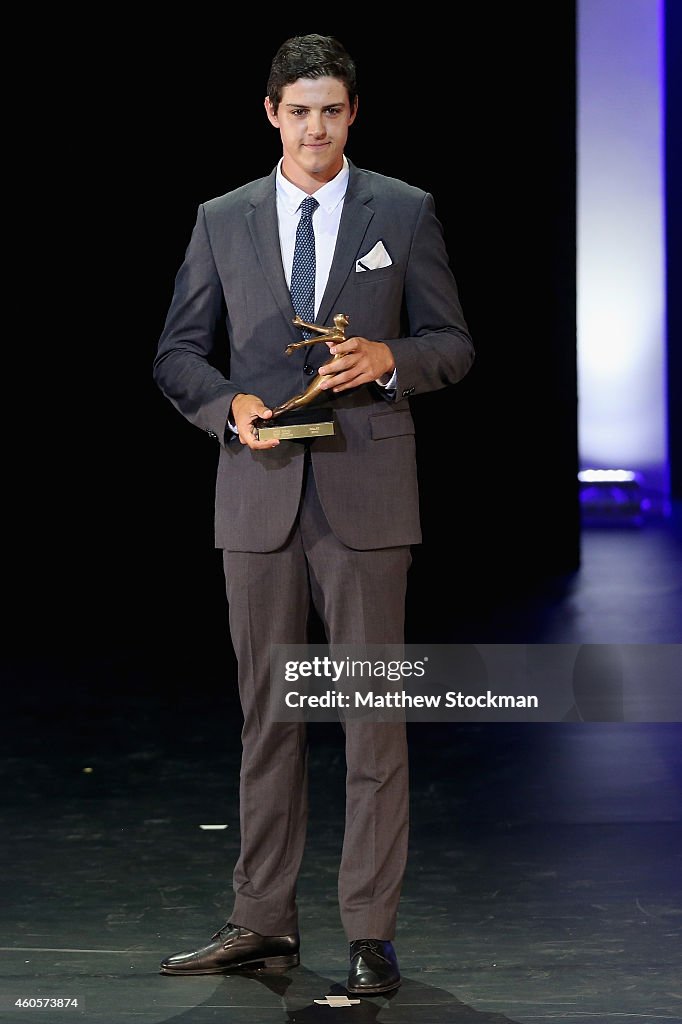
(270, 111)
(353, 113)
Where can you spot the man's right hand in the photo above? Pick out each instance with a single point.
(245, 409)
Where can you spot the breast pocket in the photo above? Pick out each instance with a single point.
(363, 278)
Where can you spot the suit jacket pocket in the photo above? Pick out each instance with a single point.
(391, 424)
(368, 277)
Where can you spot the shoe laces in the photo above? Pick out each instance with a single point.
(372, 945)
(227, 927)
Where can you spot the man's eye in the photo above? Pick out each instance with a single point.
(299, 112)
(333, 111)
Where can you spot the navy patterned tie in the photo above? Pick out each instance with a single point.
(303, 268)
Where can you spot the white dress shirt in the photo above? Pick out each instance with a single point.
(325, 224)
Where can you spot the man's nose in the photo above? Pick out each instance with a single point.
(316, 124)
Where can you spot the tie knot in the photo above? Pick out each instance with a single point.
(308, 206)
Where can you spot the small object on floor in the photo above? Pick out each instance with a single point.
(336, 1001)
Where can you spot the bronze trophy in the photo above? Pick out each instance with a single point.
(309, 422)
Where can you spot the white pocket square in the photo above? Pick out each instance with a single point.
(375, 259)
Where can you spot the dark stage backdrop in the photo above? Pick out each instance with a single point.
(113, 490)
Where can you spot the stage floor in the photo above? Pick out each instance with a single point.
(544, 881)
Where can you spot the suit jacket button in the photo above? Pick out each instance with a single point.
(310, 370)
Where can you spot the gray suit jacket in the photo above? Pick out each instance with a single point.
(232, 277)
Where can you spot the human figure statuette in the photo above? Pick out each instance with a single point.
(335, 333)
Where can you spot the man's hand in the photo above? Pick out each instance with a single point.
(362, 362)
(244, 410)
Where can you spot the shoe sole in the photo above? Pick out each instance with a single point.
(379, 990)
(268, 962)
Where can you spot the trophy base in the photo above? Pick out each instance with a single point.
(296, 425)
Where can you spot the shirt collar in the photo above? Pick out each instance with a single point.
(328, 196)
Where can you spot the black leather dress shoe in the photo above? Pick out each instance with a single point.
(373, 967)
(233, 948)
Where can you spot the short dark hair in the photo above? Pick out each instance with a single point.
(311, 56)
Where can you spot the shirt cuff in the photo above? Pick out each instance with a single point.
(391, 384)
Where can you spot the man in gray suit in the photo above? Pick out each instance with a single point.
(331, 519)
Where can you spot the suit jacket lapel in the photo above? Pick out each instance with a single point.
(262, 221)
(354, 220)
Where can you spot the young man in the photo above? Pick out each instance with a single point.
(329, 520)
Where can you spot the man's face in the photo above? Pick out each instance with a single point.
(313, 120)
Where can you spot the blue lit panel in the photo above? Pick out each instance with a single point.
(621, 299)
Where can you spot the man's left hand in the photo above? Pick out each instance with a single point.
(362, 362)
